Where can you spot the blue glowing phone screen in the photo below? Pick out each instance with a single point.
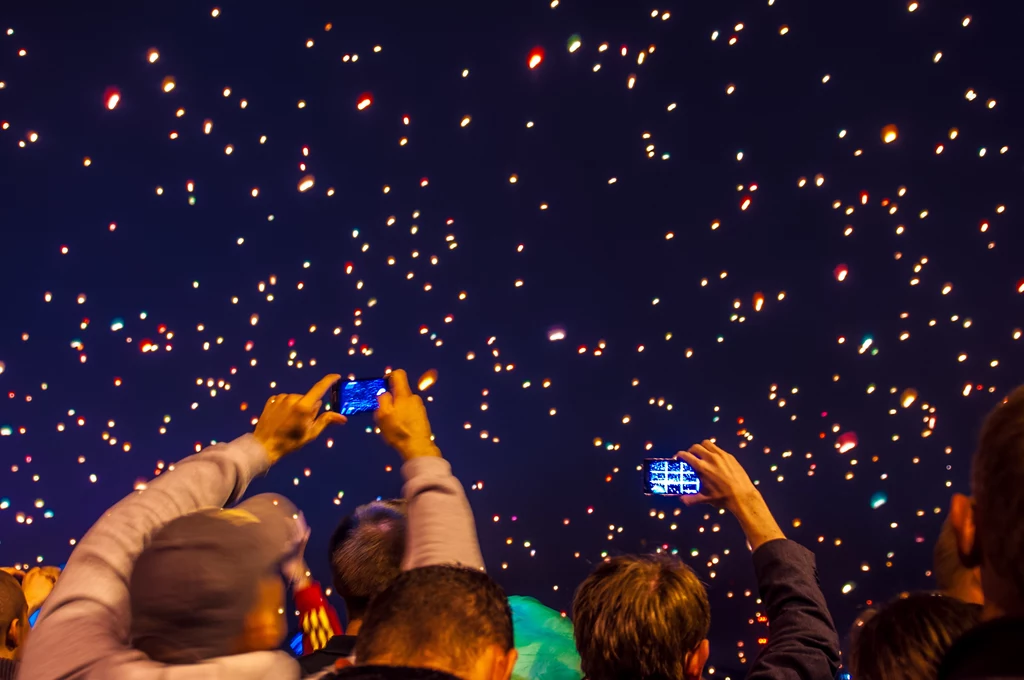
(669, 477)
(360, 396)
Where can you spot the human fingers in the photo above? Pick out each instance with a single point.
(711, 446)
(317, 392)
(693, 461)
(326, 418)
(16, 573)
(385, 403)
(51, 572)
(400, 384)
(699, 451)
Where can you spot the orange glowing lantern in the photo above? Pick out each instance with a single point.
(890, 133)
(426, 380)
(758, 301)
(908, 397)
(840, 272)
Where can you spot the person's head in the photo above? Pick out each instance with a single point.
(640, 617)
(366, 553)
(990, 525)
(209, 583)
(906, 638)
(13, 616)
(448, 618)
(951, 576)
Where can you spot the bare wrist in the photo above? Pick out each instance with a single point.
(421, 449)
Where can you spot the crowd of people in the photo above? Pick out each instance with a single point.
(180, 581)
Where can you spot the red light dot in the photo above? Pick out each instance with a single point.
(536, 57)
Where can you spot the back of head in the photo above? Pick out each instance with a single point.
(998, 490)
(640, 617)
(13, 606)
(907, 638)
(366, 553)
(442, 617)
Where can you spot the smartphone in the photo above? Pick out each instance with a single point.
(669, 477)
(351, 397)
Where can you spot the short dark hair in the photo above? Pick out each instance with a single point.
(638, 616)
(906, 638)
(13, 606)
(997, 480)
(366, 552)
(447, 614)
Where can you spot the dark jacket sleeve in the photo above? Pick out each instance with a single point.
(802, 640)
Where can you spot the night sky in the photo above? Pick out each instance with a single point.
(784, 225)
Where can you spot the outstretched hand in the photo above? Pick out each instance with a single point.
(402, 420)
(289, 421)
(725, 484)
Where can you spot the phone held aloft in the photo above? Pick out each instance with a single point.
(669, 477)
(352, 397)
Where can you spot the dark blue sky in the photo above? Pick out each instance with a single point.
(593, 263)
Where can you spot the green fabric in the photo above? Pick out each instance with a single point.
(544, 641)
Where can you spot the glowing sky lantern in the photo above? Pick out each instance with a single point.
(890, 133)
(758, 301)
(147, 345)
(168, 84)
(840, 272)
(556, 334)
(306, 183)
(1020, 286)
(535, 57)
(908, 397)
(846, 442)
(878, 499)
(111, 97)
(426, 380)
(364, 101)
(574, 43)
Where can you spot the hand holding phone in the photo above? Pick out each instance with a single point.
(403, 422)
(669, 477)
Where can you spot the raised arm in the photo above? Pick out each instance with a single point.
(86, 618)
(802, 639)
(441, 525)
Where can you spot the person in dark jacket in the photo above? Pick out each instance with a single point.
(905, 639)
(989, 528)
(439, 623)
(659, 631)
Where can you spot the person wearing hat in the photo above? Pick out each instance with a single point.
(168, 584)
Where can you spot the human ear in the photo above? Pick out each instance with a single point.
(961, 516)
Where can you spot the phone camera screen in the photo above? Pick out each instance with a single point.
(360, 396)
(669, 477)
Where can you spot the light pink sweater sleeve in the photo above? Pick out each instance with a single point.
(441, 525)
(83, 629)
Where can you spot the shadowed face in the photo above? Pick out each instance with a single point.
(265, 624)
